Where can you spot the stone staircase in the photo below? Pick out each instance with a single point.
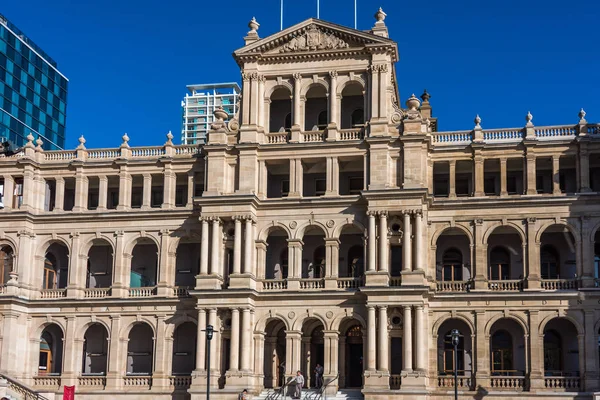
(311, 394)
(15, 390)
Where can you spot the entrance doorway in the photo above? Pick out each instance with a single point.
(354, 357)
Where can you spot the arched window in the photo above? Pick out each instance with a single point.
(356, 264)
(550, 263)
(50, 272)
(499, 264)
(358, 118)
(452, 265)
(502, 353)
(322, 120)
(552, 353)
(449, 354)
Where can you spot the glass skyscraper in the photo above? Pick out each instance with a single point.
(33, 92)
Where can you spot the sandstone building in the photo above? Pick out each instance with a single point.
(325, 223)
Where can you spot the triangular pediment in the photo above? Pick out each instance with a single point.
(313, 35)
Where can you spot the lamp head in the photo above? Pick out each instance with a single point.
(455, 336)
(209, 332)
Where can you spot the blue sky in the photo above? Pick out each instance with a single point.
(129, 61)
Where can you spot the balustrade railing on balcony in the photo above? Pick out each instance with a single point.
(276, 137)
(181, 291)
(313, 136)
(395, 280)
(96, 293)
(53, 293)
(103, 153)
(593, 129)
(186, 149)
(60, 155)
(147, 151)
(180, 382)
(395, 382)
(447, 381)
(351, 134)
(559, 284)
(92, 381)
(274, 284)
(142, 291)
(555, 132)
(503, 135)
(312, 283)
(2, 289)
(452, 138)
(137, 381)
(453, 286)
(350, 283)
(509, 285)
(47, 381)
(568, 383)
(516, 383)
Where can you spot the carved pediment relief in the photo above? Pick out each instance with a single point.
(311, 40)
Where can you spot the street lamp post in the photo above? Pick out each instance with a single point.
(455, 339)
(209, 335)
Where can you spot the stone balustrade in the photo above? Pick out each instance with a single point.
(274, 284)
(509, 285)
(181, 291)
(137, 381)
(53, 293)
(555, 132)
(395, 281)
(96, 293)
(513, 383)
(312, 283)
(313, 136)
(276, 137)
(351, 134)
(350, 283)
(559, 284)
(142, 291)
(92, 381)
(568, 383)
(180, 381)
(395, 382)
(453, 286)
(447, 381)
(47, 381)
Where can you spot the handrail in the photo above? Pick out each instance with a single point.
(29, 393)
(324, 387)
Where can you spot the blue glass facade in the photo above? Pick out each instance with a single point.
(33, 93)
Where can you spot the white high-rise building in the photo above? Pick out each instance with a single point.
(198, 107)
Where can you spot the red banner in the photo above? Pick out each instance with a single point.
(69, 393)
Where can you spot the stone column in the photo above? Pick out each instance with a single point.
(190, 189)
(342, 363)
(407, 340)
(587, 253)
(374, 70)
(421, 338)
(299, 177)
(262, 179)
(166, 265)
(75, 286)
(584, 170)
(212, 320)
(248, 267)
(201, 342)
(481, 356)
(371, 264)
(204, 247)
(114, 375)
(259, 359)
(419, 265)
(383, 84)
(590, 350)
(234, 351)
(246, 347)
(69, 352)
(293, 353)
(478, 161)
(333, 103)
(59, 195)
(124, 189)
(384, 340)
(170, 181)
(297, 117)
(81, 191)
(119, 287)
(255, 101)
(555, 175)
(531, 179)
(531, 253)
(237, 245)
(147, 192)
(383, 242)
(217, 238)
(261, 101)
(163, 347)
(9, 188)
(406, 244)
(452, 180)
(102, 192)
(332, 257)
(245, 98)
(29, 192)
(372, 343)
(480, 257)
(333, 176)
(503, 178)
(537, 351)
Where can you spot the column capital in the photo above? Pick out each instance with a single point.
(297, 76)
(382, 307)
(382, 213)
(333, 74)
(371, 213)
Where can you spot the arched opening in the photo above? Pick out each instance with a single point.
(315, 108)
(144, 264)
(561, 348)
(95, 350)
(56, 267)
(184, 349)
(187, 263)
(313, 350)
(275, 354)
(351, 354)
(445, 353)
(51, 351)
(277, 254)
(507, 345)
(557, 253)
(280, 110)
(6, 263)
(352, 253)
(353, 103)
(505, 254)
(140, 348)
(313, 253)
(99, 265)
(453, 256)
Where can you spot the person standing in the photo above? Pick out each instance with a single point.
(299, 379)
(243, 395)
(319, 376)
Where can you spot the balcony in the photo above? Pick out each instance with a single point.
(509, 285)
(274, 284)
(312, 283)
(563, 383)
(50, 382)
(395, 382)
(139, 382)
(180, 382)
(395, 281)
(559, 284)
(92, 382)
(453, 286)
(142, 291)
(53, 293)
(181, 291)
(96, 293)
(464, 382)
(512, 383)
(350, 283)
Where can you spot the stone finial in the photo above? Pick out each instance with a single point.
(30, 139)
(39, 142)
(529, 118)
(413, 102)
(169, 138)
(125, 140)
(477, 121)
(81, 143)
(380, 16)
(425, 96)
(253, 25)
(220, 116)
(582, 114)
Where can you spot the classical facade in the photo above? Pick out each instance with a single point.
(324, 223)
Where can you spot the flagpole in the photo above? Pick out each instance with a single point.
(317, 9)
(354, 14)
(281, 16)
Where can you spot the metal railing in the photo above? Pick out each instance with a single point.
(23, 390)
